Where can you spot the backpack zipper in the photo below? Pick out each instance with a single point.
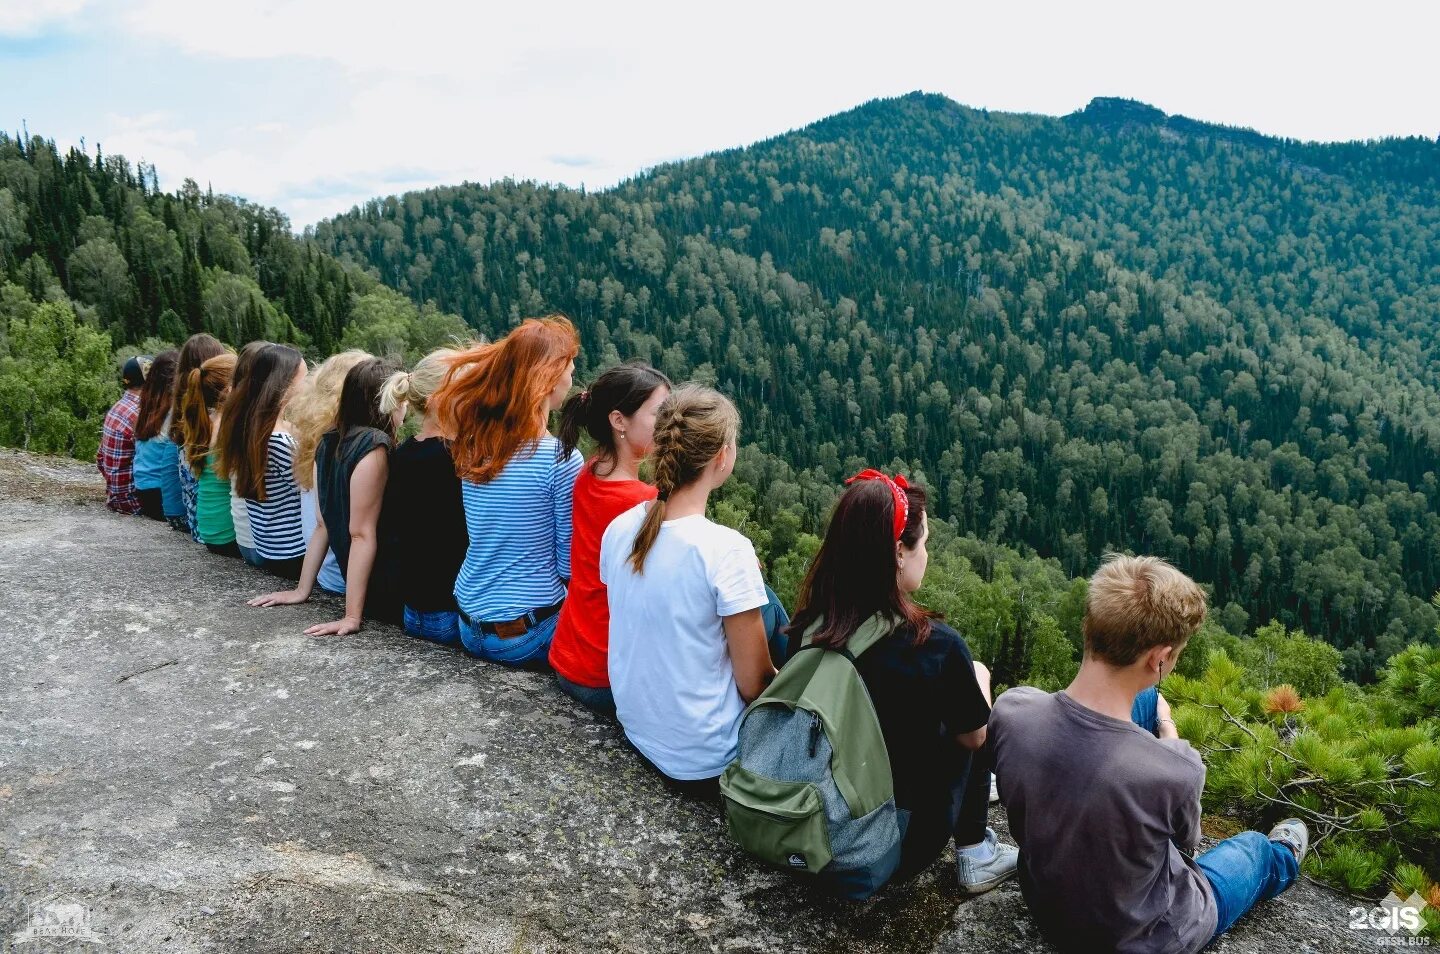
(814, 734)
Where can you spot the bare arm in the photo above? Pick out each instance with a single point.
(975, 738)
(309, 570)
(367, 490)
(1164, 721)
(749, 653)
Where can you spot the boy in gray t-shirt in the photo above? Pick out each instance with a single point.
(1106, 814)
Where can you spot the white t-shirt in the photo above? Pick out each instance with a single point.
(670, 668)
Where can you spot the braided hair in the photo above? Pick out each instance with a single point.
(692, 427)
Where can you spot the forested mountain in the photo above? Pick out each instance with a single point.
(93, 256)
(155, 263)
(1115, 329)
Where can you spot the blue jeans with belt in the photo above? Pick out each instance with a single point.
(531, 646)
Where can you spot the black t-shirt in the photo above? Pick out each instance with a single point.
(925, 696)
(425, 525)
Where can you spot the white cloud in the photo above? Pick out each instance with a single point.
(25, 18)
(433, 92)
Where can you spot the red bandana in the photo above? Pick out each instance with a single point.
(897, 486)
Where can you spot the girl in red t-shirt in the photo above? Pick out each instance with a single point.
(618, 412)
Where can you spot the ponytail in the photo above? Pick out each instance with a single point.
(194, 422)
(395, 392)
(574, 415)
(414, 387)
(692, 427)
(204, 389)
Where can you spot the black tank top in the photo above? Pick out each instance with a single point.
(333, 473)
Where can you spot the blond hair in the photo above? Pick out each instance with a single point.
(416, 385)
(1136, 604)
(312, 410)
(693, 425)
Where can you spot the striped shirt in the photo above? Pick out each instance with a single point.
(275, 523)
(519, 525)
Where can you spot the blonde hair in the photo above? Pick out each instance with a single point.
(693, 425)
(416, 385)
(312, 410)
(1137, 603)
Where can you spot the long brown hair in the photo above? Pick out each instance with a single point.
(258, 391)
(157, 397)
(693, 425)
(196, 350)
(856, 573)
(360, 400)
(493, 398)
(204, 392)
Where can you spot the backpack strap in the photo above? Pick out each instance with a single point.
(870, 632)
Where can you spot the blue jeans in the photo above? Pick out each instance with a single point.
(1243, 871)
(251, 556)
(1143, 713)
(601, 700)
(516, 651)
(776, 619)
(439, 627)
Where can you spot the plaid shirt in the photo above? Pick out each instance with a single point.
(116, 457)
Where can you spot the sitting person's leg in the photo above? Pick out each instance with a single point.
(1145, 712)
(776, 619)
(600, 699)
(1250, 868)
(981, 861)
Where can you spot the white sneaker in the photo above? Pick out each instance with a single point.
(1293, 834)
(994, 790)
(977, 877)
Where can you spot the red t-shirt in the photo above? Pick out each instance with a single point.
(582, 636)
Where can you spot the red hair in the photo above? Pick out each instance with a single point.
(493, 399)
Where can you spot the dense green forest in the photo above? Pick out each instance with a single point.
(1112, 330)
(1116, 329)
(94, 257)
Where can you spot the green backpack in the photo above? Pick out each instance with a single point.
(811, 789)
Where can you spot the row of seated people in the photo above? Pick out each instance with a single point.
(487, 532)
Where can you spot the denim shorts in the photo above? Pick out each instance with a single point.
(517, 651)
(601, 700)
(438, 627)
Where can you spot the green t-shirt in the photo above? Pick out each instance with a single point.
(212, 506)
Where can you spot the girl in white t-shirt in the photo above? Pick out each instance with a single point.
(687, 638)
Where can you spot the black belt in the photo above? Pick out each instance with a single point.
(512, 628)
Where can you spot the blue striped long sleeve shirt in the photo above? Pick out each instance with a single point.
(519, 525)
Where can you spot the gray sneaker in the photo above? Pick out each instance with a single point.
(1293, 834)
(977, 877)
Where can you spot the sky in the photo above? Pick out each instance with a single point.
(313, 106)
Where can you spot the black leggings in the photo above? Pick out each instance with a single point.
(965, 820)
(289, 569)
(224, 549)
(152, 503)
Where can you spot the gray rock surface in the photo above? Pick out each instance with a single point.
(204, 777)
